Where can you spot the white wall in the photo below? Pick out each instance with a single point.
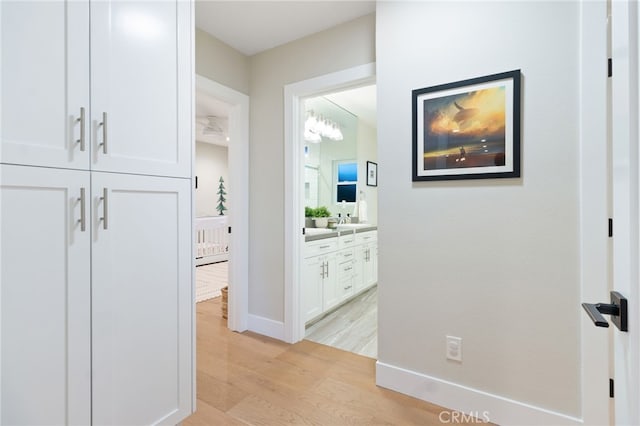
(346, 46)
(211, 163)
(368, 151)
(495, 262)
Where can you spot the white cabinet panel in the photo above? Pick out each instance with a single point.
(313, 276)
(142, 299)
(330, 294)
(45, 294)
(141, 80)
(45, 82)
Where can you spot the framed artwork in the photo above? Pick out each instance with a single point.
(372, 173)
(468, 129)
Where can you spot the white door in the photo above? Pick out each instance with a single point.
(141, 299)
(141, 87)
(45, 83)
(45, 293)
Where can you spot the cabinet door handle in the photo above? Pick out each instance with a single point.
(105, 208)
(83, 211)
(348, 287)
(104, 133)
(322, 271)
(327, 268)
(81, 120)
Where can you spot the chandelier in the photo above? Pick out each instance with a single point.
(316, 128)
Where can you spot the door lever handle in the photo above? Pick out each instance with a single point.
(617, 309)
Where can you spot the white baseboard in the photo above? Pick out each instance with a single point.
(483, 405)
(266, 327)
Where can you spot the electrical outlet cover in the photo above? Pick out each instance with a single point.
(454, 348)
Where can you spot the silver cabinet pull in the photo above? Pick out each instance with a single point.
(324, 247)
(322, 271)
(104, 132)
(81, 120)
(105, 208)
(83, 211)
(327, 268)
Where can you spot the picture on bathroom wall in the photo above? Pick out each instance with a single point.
(468, 129)
(372, 173)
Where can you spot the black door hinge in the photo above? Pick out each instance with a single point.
(196, 182)
(611, 391)
(610, 227)
(304, 231)
(229, 230)
(609, 67)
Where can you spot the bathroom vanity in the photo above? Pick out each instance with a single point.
(338, 265)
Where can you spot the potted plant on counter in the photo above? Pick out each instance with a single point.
(320, 215)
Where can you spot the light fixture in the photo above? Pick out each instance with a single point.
(316, 128)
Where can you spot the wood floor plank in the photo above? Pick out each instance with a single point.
(245, 378)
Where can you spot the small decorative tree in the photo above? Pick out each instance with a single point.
(221, 200)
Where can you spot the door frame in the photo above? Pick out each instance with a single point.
(294, 96)
(625, 172)
(238, 158)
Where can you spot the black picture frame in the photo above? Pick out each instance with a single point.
(372, 173)
(467, 129)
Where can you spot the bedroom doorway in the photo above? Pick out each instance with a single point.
(221, 156)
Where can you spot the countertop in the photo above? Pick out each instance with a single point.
(322, 234)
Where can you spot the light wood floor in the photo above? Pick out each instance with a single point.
(352, 327)
(248, 379)
(210, 279)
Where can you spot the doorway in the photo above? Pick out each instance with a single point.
(296, 265)
(222, 117)
(339, 258)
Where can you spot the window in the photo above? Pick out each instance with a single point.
(347, 181)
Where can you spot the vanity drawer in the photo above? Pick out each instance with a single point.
(366, 237)
(346, 241)
(316, 248)
(345, 255)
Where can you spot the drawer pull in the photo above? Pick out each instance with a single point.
(348, 254)
(348, 242)
(324, 247)
(348, 287)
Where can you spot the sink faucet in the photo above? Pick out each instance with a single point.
(340, 219)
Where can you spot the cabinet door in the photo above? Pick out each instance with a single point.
(142, 299)
(314, 270)
(45, 292)
(141, 83)
(331, 295)
(359, 265)
(45, 83)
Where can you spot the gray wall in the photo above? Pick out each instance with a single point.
(221, 63)
(211, 163)
(495, 262)
(344, 46)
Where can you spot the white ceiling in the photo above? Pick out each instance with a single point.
(208, 106)
(360, 102)
(254, 26)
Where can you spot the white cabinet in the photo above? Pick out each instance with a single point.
(336, 269)
(141, 84)
(45, 292)
(119, 102)
(141, 299)
(96, 323)
(367, 254)
(44, 83)
(313, 273)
